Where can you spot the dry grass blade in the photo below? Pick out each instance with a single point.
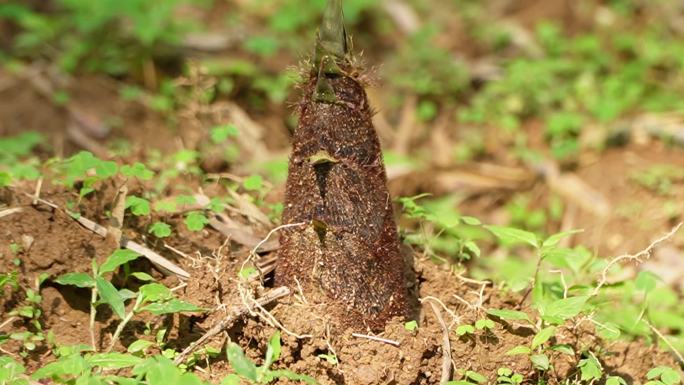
(446, 345)
(81, 139)
(10, 211)
(378, 339)
(248, 209)
(676, 352)
(164, 264)
(235, 313)
(243, 237)
(237, 232)
(573, 189)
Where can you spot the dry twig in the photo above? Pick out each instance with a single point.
(236, 312)
(10, 211)
(638, 257)
(667, 342)
(378, 339)
(446, 345)
(161, 262)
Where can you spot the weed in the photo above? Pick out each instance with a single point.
(660, 179)
(263, 374)
(116, 37)
(152, 297)
(506, 376)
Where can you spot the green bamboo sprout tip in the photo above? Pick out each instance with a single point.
(332, 37)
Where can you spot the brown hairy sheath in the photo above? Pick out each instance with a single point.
(348, 253)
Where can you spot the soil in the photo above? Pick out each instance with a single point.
(61, 245)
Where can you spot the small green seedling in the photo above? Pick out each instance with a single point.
(329, 358)
(463, 330)
(484, 324)
(263, 374)
(507, 377)
(590, 369)
(152, 297)
(663, 375)
(30, 310)
(11, 372)
(411, 325)
(470, 377)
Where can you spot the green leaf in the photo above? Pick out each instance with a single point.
(139, 346)
(555, 238)
(273, 350)
(656, 372)
(646, 281)
(127, 294)
(472, 247)
(158, 370)
(475, 376)
(106, 169)
(504, 372)
(137, 170)
(171, 306)
(110, 296)
(138, 206)
(154, 292)
(246, 272)
(520, 349)
(195, 221)
(231, 379)
(290, 375)
(465, 329)
(564, 348)
(116, 259)
(540, 361)
(411, 325)
(241, 364)
(139, 275)
(82, 280)
(484, 324)
(166, 206)
(10, 370)
(330, 358)
(185, 200)
(113, 360)
(72, 365)
(506, 314)
(5, 179)
(253, 183)
(470, 221)
(219, 134)
(160, 230)
(615, 380)
(608, 331)
(670, 377)
(542, 336)
(590, 369)
(565, 308)
(512, 236)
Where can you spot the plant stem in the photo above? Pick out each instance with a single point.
(93, 313)
(122, 324)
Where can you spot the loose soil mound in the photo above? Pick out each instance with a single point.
(54, 243)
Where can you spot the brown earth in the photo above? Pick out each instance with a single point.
(61, 245)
